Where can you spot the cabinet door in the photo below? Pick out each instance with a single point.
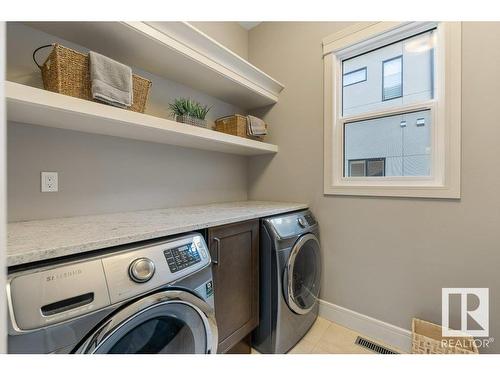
(235, 257)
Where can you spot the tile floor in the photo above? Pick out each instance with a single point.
(326, 337)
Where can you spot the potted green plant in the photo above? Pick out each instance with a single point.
(189, 111)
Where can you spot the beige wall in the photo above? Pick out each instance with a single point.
(386, 257)
(99, 174)
(230, 34)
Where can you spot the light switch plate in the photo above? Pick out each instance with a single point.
(49, 182)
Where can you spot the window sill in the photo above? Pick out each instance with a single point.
(443, 192)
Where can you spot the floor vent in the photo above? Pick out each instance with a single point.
(372, 346)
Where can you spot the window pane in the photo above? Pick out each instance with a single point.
(392, 78)
(400, 73)
(356, 168)
(367, 167)
(375, 167)
(356, 76)
(398, 145)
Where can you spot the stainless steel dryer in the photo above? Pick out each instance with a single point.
(154, 298)
(290, 271)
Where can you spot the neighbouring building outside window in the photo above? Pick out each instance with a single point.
(392, 78)
(399, 140)
(367, 167)
(392, 109)
(405, 146)
(396, 74)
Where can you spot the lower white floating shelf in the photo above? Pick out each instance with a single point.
(30, 105)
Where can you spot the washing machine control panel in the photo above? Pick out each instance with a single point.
(182, 257)
(141, 269)
(60, 292)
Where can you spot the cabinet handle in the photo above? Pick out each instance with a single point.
(217, 251)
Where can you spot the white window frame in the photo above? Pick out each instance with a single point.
(445, 107)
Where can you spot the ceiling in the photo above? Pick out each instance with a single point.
(248, 25)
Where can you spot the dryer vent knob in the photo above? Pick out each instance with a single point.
(302, 222)
(141, 270)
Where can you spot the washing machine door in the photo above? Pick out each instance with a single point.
(169, 322)
(302, 275)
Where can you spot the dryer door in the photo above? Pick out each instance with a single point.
(302, 275)
(172, 321)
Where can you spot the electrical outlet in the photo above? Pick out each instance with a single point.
(49, 182)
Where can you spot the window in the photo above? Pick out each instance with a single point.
(375, 167)
(367, 167)
(395, 132)
(357, 168)
(390, 83)
(356, 76)
(403, 144)
(392, 78)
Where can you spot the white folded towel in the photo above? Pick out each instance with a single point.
(256, 126)
(111, 81)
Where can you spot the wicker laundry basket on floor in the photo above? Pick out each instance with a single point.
(66, 71)
(427, 339)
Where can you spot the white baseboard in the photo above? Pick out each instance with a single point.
(392, 335)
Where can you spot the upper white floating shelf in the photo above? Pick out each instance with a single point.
(177, 51)
(30, 105)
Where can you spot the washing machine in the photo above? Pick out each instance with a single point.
(156, 297)
(290, 272)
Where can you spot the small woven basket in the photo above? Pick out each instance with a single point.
(66, 71)
(235, 125)
(427, 339)
(186, 119)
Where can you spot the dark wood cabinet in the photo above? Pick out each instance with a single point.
(234, 249)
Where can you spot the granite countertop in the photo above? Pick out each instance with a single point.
(36, 240)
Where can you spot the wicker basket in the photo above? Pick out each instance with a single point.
(427, 339)
(186, 119)
(66, 71)
(235, 125)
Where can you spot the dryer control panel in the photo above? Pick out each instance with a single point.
(290, 225)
